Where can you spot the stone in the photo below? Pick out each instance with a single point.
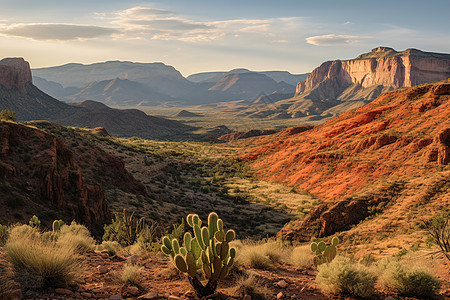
(102, 269)
(134, 259)
(149, 296)
(61, 291)
(173, 297)
(132, 290)
(115, 297)
(282, 284)
(280, 295)
(247, 297)
(86, 295)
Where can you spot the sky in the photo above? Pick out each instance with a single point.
(198, 36)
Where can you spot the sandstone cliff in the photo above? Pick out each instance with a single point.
(15, 73)
(337, 86)
(381, 67)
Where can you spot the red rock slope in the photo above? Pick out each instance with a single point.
(404, 133)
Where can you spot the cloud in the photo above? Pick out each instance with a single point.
(150, 23)
(52, 31)
(333, 39)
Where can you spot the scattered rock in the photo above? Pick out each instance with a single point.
(133, 259)
(102, 269)
(247, 297)
(133, 290)
(61, 291)
(280, 295)
(115, 297)
(282, 284)
(86, 295)
(149, 296)
(173, 297)
(389, 298)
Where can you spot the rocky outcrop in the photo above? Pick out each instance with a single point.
(243, 135)
(381, 67)
(15, 73)
(48, 173)
(341, 85)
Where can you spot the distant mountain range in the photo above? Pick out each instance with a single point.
(128, 84)
(337, 86)
(18, 94)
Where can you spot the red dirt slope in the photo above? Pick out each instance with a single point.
(402, 133)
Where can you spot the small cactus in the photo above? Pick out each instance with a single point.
(324, 253)
(208, 250)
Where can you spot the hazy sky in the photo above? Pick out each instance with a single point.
(196, 36)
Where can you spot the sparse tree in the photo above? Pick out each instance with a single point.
(7, 115)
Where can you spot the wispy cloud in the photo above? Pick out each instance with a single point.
(334, 39)
(142, 22)
(51, 31)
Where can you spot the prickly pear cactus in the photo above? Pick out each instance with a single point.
(208, 250)
(324, 253)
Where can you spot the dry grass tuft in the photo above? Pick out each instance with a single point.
(39, 263)
(408, 278)
(301, 257)
(260, 255)
(250, 285)
(131, 275)
(8, 285)
(344, 276)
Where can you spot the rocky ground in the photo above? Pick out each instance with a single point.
(160, 280)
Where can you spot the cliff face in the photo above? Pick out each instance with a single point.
(337, 86)
(39, 171)
(15, 73)
(382, 66)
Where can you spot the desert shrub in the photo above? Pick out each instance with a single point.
(38, 263)
(439, 229)
(3, 234)
(131, 275)
(408, 278)
(19, 231)
(111, 247)
(34, 222)
(301, 257)
(250, 285)
(124, 229)
(7, 115)
(262, 255)
(75, 236)
(344, 276)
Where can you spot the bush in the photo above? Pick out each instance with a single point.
(38, 263)
(344, 276)
(407, 278)
(249, 285)
(260, 255)
(301, 257)
(75, 236)
(7, 115)
(131, 275)
(439, 230)
(111, 247)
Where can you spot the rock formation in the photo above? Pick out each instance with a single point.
(381, 67)
(39, 170)
(15, 73)
(337, 86)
